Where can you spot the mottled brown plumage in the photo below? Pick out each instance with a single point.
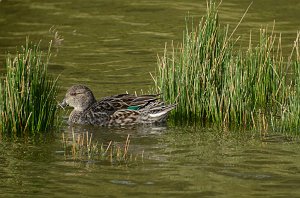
(117, 110)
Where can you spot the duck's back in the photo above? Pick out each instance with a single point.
(125, 101)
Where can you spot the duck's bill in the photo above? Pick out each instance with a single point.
(63, 104)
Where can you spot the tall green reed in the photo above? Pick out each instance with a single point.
(288, 119)
(27, 99)
(214, 81)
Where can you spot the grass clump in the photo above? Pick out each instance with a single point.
(214, 81)
(27, 99)
(80, 147)
(289, 117)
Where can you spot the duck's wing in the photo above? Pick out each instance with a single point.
(106, 107)
(125, 101)
(155, 112)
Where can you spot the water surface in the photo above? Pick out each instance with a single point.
(111, 46)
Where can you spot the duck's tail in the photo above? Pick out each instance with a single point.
(155, 112)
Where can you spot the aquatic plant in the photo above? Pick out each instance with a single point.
(81, 147)
(27, 99)
(213, 80)
(288, 118)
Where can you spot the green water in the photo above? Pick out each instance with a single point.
(111, 46)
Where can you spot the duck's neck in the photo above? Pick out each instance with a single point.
(75, 116)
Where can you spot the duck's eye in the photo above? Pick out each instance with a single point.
(73, 93)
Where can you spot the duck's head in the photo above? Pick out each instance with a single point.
(78, 96)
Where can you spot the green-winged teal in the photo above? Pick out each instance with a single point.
(117, 110)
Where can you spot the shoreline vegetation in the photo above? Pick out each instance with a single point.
(216, 82)
(28, 93)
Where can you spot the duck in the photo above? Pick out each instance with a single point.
(116, 110)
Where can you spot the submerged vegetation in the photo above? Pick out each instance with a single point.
(80, 147)
(213, 80)
(27, 99)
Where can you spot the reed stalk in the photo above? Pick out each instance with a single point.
(81, 147)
